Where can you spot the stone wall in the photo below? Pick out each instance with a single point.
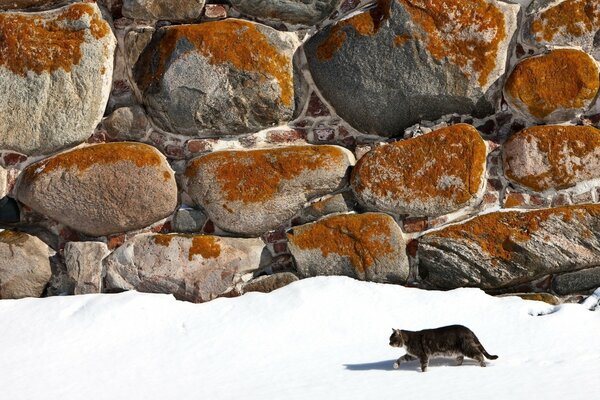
(206, 149)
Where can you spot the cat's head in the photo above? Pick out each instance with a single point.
(396, 340)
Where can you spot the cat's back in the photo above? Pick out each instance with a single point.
(446, 338)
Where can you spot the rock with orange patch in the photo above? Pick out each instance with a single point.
(364, 246)
(218, 78)
(565, 23)
(192, 267)
(553, 156)
(101, 189)
(408, 60)
(430, 175)
(24, 265)
(553, 87)
(170, 10)
(55, 76)
(302, 12)
(251, 192)
(504, 249)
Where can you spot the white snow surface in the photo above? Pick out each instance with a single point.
(320, 338)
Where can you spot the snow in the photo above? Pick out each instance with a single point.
(319, 338)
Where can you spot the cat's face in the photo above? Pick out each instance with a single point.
(396, 339)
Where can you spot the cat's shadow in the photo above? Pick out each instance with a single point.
(388, 365)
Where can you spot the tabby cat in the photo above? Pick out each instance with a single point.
(450, 341)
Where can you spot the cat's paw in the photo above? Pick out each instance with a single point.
(396, 365)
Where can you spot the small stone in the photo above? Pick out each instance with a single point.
(269, 283)
(188, 220)
(338, 203)
(577, 282)
(215, 11)
(136, 41)
(84, 265)
(303, 12)
(29, 5)
(3, 182)
(127, 123)
(170, 10)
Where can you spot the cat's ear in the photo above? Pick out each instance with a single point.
(396, 330)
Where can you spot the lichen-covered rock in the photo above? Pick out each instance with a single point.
(552, 156)
(407, 60)
(429, 175)
(83, 261)
(269, 283)
(28, 4)
(218, 78)
(565, 23)
(365, 246)
(504, 249)
(251, 192)
(24, 265)
(553, 87)
(101, 189)
(55, 76)
(171, 10)
(338, 203)
(192, 267)
(304, 12)
(583, 281)
(3, 182)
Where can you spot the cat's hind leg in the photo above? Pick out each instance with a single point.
(424, 363)
(406, 357)
(459, 360)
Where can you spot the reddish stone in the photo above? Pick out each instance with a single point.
(435, 222)
(281, 247)
(274, 236)
(215, 11)
(99, 136)
(582, 198)
(537, 201)
(323, 134)
(490, 198)
(513, 199)
(561, 199)
(69, 235)
(120, 87)
(281, 136)
(209, 227)
(200, 145)
(412, 247)
(316, 107)
(115, 241)
(496, 184)
(11, 159)
(174, 151)
(412, 225)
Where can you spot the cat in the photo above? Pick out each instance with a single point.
(452, 341)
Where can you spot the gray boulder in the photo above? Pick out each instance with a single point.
(303, 12)
(171, 10)
(583, 281)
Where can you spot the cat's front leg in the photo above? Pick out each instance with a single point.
(406, 357)
(424, 363)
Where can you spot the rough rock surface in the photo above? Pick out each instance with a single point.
(365, 246)
(188, 220)
(193, 84)
(269, 283)
(408, 60)
(553, 87)
(84, 265)
(429, 175)
(29, 4)
(24, 265)
(101, 189)
(171, 10)
(338, 203)
(127, 123)
(503, 249)
(251, 192)
(3, 182)
(565, 23)
(304, 12)
(55, 77)
(577, 282)
(552, 156)
(194, 268)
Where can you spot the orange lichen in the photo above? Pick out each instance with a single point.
(29, 43)
(365, 24)
(415, 169)
(466, 33)
(13, 238)
(399, 40)
(254, 176)
(361, 237)
(514, 200)
(108, 153)
(563, 78)
(204, 245)
(564, 149)
(500, 234)
(236, 42)
(571, 17)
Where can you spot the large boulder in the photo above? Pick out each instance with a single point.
(504, 249)
(367, 246)
(218, 78)
(172, 10)
(304, 12)
(429, 175)
(407, 60)
(83, 261)
(101, 189)
(55, 76)
(251, 192)
(586, 280)
(553, 87)
(192, 267)
(28, 4)
(24, 265)
(549, 157)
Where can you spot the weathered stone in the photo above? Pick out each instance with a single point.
(504, 249)
(553, 87)
(136, 41)
(3, 182)
(565, 23)
(101, 189)
(55, 77)
(429, 175)
(363, 246)
(552, 156)
(29, 4)
(127, 123)
(545, 297)
(194, 268)
(408, 60)
(84, 265)
(218, 78)
(338, 203)
(24, 265)
(171, 10)
(251, 192)
(577, 282)
(304, 12)
(188, 220)
(269, 283)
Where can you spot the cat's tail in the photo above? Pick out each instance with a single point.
(486, 354)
